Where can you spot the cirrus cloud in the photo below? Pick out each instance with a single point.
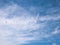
(19, 26)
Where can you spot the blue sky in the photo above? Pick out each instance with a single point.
(29, 22)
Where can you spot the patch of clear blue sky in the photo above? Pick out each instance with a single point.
(43, 7)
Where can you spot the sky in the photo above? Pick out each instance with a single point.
(29, 22)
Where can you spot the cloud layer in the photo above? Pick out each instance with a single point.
(17, 29)
(19, 26)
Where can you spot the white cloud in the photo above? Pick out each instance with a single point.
(56, 31)
(47, 18)
(54, 44)
(20, 28)
(17, 30)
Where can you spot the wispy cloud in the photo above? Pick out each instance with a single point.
(19, 28)
(54, 44)
(56, 31)
(48, 18)
(22, 26)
